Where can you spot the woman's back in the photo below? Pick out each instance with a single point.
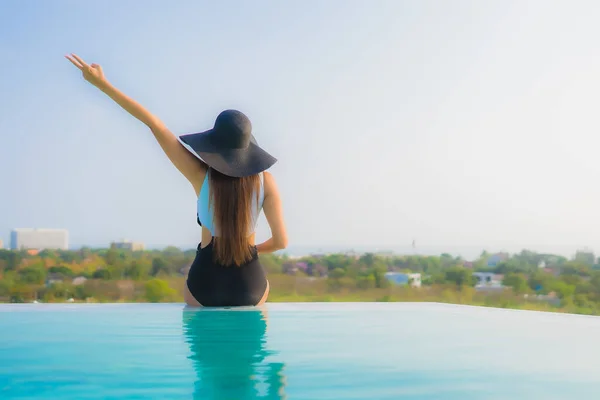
(228, 208)
(206, 209)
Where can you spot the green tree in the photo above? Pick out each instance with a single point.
(59, 291)
(117, 271)
(595, 281)
(157, 290)
(101, 273)
(367, 259)
(11, 259)
(459, 276)
(366, 282)
(585, 257)
(517, 282)
(159, 265)
(513, 265)
(333, 261)
(271, 264)
(175, 259)
(61, 270)
(563, 289)
(172, 252)
(576, 268)
(528, 257)
(574, 280)
(337, 273)
(21, 293)
(33, 275)
(583, 302)
(136, 270)
(111, 257)
(430, 265)
(379, 275)
(5, 287)
(68, 256)
(81, 292)
(438, 278)
(541, 282)
(85, 253)
(446, 260)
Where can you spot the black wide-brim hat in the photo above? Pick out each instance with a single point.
(229, 147)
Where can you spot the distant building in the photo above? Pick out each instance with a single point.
(352, 254)
(551, 298)
(496, 259)
(487, 277)
(289, 268)
(1, 244)
(127, 245)
(53, 278)
(585, 256)
(552, 260)
(302, 266)
(488, 281)
(80, 280)
(318, 255)
(39, 239)
(552, 271)
(384, 253)
(318, 270)
(401, 278)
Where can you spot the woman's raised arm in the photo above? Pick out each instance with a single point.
(188, 164)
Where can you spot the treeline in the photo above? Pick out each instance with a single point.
(91, 275)
(531, 280)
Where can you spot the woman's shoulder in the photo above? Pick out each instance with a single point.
(267, 178)
(270, 185)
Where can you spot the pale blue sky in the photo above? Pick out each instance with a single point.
(458, 123)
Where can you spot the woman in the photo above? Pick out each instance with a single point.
(232, 187)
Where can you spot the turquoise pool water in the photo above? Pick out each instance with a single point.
(295, 351)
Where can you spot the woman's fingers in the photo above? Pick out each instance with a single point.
(76, 57)
(74, 62)
(96, 67)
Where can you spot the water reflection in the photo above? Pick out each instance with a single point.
(230, 355)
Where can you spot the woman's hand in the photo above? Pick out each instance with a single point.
(91, 73)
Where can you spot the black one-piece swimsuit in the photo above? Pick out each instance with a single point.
(215, 285)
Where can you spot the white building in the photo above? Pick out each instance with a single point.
(39, 239)
(488, 281)
(127, 245)
(415, 280)
(401, 278)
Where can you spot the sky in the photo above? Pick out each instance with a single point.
(451, 123)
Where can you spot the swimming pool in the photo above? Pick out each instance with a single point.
(295, 351)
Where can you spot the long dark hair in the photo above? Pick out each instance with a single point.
(231, 199)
